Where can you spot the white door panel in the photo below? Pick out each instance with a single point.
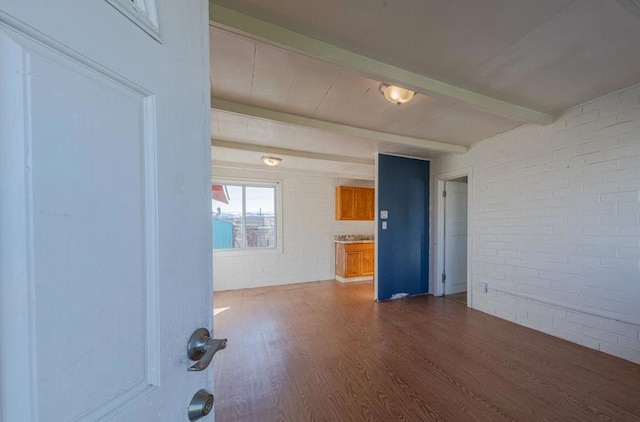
(456, 237)
(105, 263)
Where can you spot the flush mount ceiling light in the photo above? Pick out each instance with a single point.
(395, 94)
(270, 160)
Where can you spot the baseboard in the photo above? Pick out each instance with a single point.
(352, 279)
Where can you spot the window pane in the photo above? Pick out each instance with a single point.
(227, 221)
(260, 220)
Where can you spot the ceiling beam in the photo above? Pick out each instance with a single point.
(264, 31)
(338, 128)
(290, 152)
(343, 174)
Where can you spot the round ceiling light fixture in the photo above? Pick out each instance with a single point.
(271, 161)
(395, 94)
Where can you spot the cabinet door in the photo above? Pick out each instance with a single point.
(368, 262)
(364, 204)
(372, 204)
(345, 203)
(354, 260)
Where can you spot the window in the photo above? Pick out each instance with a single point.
(244, 216)
(141, 12)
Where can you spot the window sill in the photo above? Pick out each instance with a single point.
(245, 252)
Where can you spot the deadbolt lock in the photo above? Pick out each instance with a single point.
(201, 405)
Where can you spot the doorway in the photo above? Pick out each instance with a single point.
(454, 269)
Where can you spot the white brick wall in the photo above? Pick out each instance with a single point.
(308, 228)
(556, 224)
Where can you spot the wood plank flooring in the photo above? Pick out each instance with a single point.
(326, 351)
(460, 297)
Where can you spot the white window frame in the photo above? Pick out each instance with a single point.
(277, 185)
(142, 13)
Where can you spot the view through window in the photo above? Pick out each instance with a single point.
(243, 216)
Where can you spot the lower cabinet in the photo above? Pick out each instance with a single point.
(354, 261)
(368, 262)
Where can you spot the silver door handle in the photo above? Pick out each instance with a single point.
(202, 347)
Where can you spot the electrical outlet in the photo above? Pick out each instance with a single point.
(484, 287)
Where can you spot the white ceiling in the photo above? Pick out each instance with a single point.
(544, 55)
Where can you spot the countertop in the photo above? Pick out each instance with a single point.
(353, 238)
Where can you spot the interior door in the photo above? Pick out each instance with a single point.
(455, 221)
(105, 256)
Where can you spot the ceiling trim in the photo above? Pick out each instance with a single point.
(236, 22)
(290, 152)
(338, 128)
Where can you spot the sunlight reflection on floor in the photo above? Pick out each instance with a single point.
(216, 311)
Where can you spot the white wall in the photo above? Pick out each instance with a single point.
(556, 224)
(308, 228)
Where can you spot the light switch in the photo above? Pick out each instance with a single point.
(384, 225)
(384, 214)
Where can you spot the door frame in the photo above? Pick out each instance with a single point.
(439, 223)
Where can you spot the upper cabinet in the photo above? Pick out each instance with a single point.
(354, 203)
(365, 207)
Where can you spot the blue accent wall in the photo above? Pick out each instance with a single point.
(403, 248)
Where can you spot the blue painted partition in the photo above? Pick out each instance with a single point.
(403, 248)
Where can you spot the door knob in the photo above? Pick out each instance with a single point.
(201, 405)
(202, 347)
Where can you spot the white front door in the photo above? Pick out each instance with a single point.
(455, 241)
(105, 255)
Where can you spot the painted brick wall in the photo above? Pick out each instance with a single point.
(556, 224)
(308, 228)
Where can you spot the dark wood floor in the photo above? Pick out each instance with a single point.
(326, 351)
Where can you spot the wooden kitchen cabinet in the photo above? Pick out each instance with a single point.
(353, 265)
(354, 203)
(354, 261)
(365, 204)
(368, 262)
(345, 203)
